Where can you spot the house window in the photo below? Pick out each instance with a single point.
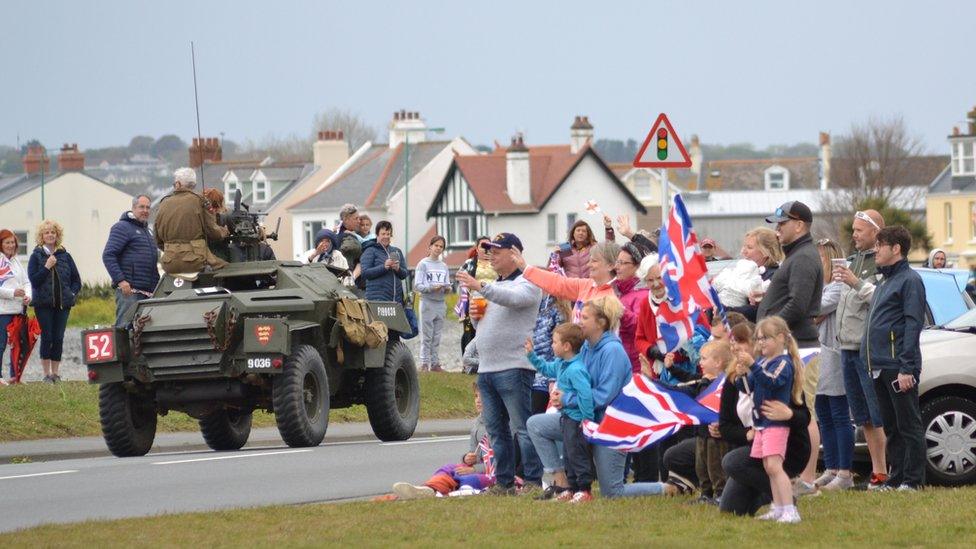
(642, 186)
(462, 230)
(570, 220)
(551, 228)
(21, 243)
(310, 229)
(777, 178)
(964, 158)
(231, 185)
(947, 208)
(261, 190)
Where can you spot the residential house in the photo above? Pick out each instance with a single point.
(536, 192)
(374, 179)
(951, 201)
(84, 205)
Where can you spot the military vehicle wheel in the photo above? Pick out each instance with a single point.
(226, 429)
(301, 398)
(393, 395)
(128, 421)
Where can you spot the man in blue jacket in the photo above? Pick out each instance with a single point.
(891, 350)
(130, 257)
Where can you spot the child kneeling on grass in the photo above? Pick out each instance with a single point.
(571, 377)
(474, 474)
(777, 375)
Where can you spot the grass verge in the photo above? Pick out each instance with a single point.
(39, 410)
(935, 517)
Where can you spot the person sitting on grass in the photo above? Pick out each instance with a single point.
(475, 472)
(572, 378)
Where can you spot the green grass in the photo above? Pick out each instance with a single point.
(37, 410)
(89, 312)
(935, 517)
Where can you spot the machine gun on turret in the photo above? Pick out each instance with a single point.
(246, 234)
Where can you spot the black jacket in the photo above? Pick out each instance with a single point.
(795, 290)
(55, 288)
(895, 321)
(729, 424)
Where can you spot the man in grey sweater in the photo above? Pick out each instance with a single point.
(794, 294)
(504, 374)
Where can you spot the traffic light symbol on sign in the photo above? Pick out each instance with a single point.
(662, 144)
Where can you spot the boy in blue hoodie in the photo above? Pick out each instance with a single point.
(572, 378)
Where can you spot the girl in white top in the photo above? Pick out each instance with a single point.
(15, 290)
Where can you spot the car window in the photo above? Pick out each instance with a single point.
(945, 302)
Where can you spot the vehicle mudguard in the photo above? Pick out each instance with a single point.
(391, 314)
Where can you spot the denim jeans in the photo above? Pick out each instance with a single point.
(610, 472)
(859, 387)
(123, 303)
(506, 399)
(546, 435)
(836, 431)
(4, 321)
(53, 322)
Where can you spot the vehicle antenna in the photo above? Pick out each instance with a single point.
(196, 101)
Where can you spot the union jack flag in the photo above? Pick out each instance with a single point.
(646, 412)
(487, 456)
(685, 278)
(6, 271)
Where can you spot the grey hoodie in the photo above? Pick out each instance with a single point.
(852, 310)
(513, 305)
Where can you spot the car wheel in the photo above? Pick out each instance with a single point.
(301, 399)
(950, 438)
(128, 420)
(226, 429)
(393, 395)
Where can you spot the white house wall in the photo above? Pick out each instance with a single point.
(587, 182)
(85, 207)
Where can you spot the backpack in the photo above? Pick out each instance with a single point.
(357, 325)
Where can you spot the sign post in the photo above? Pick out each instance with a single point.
(669, 153)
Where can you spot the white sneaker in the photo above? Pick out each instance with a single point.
(405, 490)
(839, 483)
(791, 516)
(802, 488)
(824, 479)
(772, 514)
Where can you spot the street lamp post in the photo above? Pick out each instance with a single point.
(406, 182)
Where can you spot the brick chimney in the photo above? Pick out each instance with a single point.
(824, 161)
(517, 172)
(330, 150)
(70, 159)
(207, 149)
(36, 160)
(580, 133)
(407, 122)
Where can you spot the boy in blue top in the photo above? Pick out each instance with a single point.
(572, 378)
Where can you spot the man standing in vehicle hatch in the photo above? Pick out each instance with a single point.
(183, 226)
(894, 357)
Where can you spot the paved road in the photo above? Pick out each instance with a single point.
(106, 487)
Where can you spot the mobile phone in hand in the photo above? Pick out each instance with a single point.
(897, 387)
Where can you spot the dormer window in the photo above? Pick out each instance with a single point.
(231, 185)
(963, 157)
(261, 188)
(777, 178)
(642, 185)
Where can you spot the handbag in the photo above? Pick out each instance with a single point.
(412, 319)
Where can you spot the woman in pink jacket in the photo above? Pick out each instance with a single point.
(625, 285)
(602, 260)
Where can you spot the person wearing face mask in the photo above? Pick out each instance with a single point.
(15, 290)
(130, 257)
(56, 283)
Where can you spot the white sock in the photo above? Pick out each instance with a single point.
(789, 509)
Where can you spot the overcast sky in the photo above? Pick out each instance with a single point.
(98, 73)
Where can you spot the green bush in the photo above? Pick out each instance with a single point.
(96, 291)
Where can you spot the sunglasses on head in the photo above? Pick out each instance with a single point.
(780, 212)
(866, 218)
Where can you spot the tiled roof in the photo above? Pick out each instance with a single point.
(918, 170)
(12, 187)
(746, 175)
(288, 171)
(371, 181)
(945, 183)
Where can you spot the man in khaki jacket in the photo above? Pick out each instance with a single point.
(183, 226)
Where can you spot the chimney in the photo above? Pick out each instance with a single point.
(824, 161)
(36, 160)
(971, 119)
(695, 152)
(330, 151)
(70, 160)
(405, 123)
(207, 149)
(517, 179)
(580, 133)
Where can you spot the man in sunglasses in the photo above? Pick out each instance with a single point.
(794, 295)
(860, 278)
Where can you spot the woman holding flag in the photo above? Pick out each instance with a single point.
(15, 291)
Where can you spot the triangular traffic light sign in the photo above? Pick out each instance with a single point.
(662, 148)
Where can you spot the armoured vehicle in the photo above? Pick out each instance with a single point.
(255, 335)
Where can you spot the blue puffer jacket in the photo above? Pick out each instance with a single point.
(131, 254)
(895, 321)
(383, 284)
(42, 280)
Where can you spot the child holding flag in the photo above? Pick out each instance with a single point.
(572, 378)
(777, 375)
(716, 356)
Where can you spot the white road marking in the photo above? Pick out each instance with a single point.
(236, 456)
(40, 474)
(426, 441)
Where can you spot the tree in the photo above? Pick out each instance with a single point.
(168, 145)
(141, 144)
(356, 129)
(871, 168)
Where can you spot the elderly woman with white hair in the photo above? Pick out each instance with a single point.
(183, 226)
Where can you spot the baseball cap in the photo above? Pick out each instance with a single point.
(708, 242)
(793, 209)
(503, 241)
